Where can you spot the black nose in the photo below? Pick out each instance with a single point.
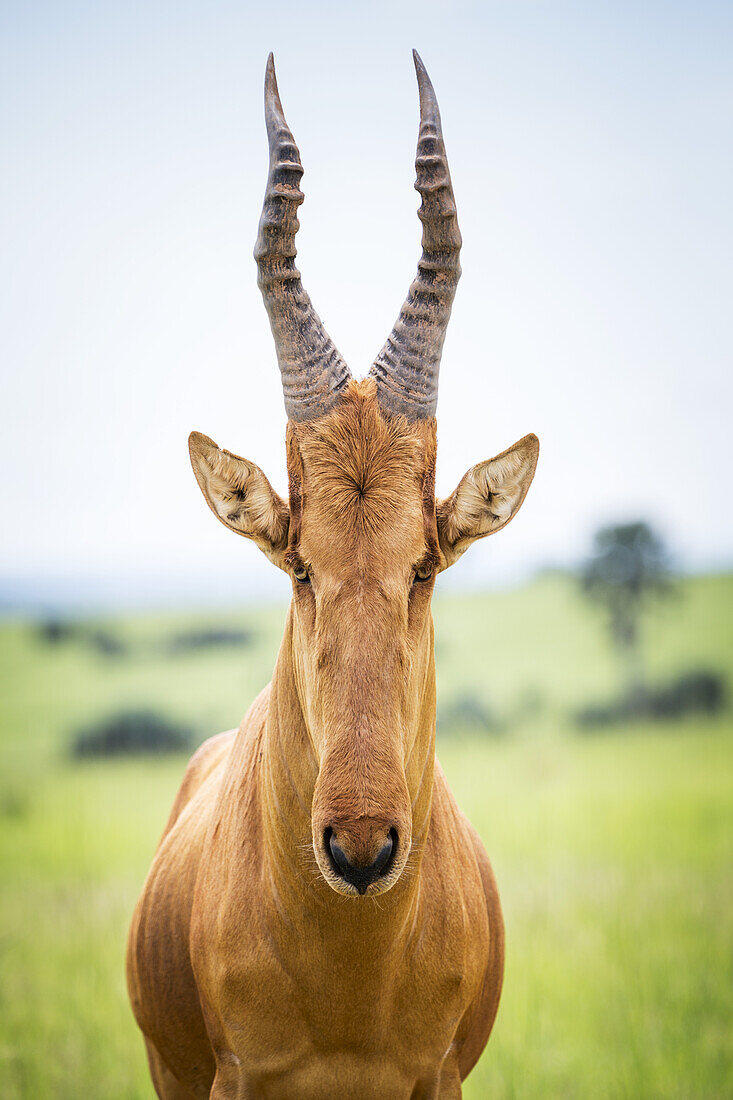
(361, 877)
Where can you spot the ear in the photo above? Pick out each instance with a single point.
(240, 495)
(487, 497)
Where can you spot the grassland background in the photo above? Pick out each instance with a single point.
(614, 852)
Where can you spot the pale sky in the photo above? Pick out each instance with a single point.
(592, 157)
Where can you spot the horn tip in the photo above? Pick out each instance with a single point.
(424, 83)
(273, 105)
(422, 72)
(270, 77)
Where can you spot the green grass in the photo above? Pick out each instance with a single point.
(614, 853)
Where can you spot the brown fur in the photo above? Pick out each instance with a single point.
(254, 969)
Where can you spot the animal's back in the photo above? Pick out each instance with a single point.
(208, 760)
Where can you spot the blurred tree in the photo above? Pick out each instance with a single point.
(629, 569)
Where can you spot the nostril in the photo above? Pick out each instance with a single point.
(361, 877)
(338, 855)
(387, 854)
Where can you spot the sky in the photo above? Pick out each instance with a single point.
(592, 158)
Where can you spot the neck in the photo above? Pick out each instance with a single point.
(288, 767)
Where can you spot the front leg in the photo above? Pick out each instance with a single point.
(234, 1082)
(229, 1083)
(167, 1086)
(447, 1086)
(450, 1081)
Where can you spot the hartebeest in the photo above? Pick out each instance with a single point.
(320, 919)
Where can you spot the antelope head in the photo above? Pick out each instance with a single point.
(362, 535)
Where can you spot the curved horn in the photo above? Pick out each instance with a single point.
(313, 372)
(406, 368)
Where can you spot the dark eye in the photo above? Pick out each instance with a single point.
(301, 574)
(424, 572)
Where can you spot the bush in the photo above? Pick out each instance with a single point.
(211, 638)
(132, 733)
(56, 631)
(467, 712)
(697, 692)
(105, 644)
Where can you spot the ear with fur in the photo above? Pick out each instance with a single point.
(240, 495)
(487, 497)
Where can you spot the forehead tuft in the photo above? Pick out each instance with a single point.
(364, 472)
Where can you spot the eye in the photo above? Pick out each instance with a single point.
(424, 572)
(301, 574)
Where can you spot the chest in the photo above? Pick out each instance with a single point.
(371, 997)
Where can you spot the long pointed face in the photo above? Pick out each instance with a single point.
(362, 536)
(363, 555)
(362, 539)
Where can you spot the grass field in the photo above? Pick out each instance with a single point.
(614, 852)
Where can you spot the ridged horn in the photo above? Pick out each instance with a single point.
(407, 367)
(313, 372)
